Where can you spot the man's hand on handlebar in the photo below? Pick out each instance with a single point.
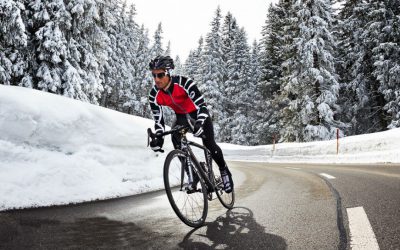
(156, 141)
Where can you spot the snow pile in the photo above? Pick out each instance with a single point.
(382, 147)
(55, 150)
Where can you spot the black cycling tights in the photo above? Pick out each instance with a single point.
(208, 141)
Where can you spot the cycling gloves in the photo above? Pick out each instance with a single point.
(156, 144)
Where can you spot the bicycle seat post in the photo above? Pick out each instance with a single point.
(184, 141)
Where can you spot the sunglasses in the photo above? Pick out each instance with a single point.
(159, 75)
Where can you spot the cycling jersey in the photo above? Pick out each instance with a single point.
(182, 96)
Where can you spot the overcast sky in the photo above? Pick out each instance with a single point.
(184, 21)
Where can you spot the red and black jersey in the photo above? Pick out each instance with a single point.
(182, 96)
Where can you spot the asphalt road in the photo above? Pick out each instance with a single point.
(278, 206)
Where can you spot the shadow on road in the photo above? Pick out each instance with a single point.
(237, 229)
(85, 233)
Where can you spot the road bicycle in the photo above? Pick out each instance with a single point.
(191, 183)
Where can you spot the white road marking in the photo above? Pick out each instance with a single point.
(361, 234)
(327, 176)
(292, 168)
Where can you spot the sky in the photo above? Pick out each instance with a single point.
(55, 150)
(184, 21)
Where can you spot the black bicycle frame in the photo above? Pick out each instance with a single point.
(207, 154)
(185, 147)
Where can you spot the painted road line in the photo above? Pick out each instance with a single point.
(361, 234)
(292, 168)
(327, 176)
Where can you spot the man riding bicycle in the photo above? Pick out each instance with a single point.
(182, 95)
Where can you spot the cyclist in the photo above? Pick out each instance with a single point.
(182, 95)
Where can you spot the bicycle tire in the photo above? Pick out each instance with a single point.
(197, 200)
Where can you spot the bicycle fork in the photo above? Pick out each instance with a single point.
(187, 167)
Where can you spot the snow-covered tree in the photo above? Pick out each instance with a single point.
(189, 68)
(129, 42)
(168, 50)
(386, 56)
(51, 20)
(273, 42)
(311, 83)
(178, 66)
(193, 65)
(110, 17)
(239, 89)
(86, 45)
(143, 77)
(369, 42)
(258, 114)
(212, 68)
(157, 47)
(13, 39)
(229, 29)
(277, 47)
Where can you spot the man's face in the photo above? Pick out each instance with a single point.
(160, 78)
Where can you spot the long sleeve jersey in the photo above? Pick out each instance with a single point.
(182, 96)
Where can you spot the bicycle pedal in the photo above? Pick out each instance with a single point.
(191, 191)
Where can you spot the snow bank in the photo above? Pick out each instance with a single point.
(382, 147)
(55, 150)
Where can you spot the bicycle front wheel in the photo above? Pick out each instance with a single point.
(189, 203)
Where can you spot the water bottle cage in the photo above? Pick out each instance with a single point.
(189, 171)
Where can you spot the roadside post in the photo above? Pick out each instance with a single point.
(337, 141)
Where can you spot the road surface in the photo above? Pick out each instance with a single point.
(278, 206)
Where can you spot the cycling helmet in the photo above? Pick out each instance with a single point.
(162, 62)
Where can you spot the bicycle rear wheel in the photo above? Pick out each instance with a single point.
(191, 206)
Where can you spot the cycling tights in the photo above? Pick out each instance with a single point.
(208, 141)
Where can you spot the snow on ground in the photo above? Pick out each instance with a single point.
(55, 150)
(383, 147)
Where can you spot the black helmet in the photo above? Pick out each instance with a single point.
(162, 62)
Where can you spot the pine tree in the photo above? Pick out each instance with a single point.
(168, 50)
(178, 66)
(189, 68)
(347, 30)
(142, 77)
(386, 56)
(212, 68)
(229, 87)
(258, 123)
(277, 38)
(273, 41)
(244, 116)
(238, 88)
(50, 21)
(361, 20)
(12, 42)
(228, 31)
(312, 86)
(109, 11)
(157, 48)
(197, 69)
(129, 33)
(287, 119)
(85, 48)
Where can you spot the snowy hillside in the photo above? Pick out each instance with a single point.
(56, 150)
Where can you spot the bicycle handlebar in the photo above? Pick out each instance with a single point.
(187, 127)
(152, 135)
(175, 129)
